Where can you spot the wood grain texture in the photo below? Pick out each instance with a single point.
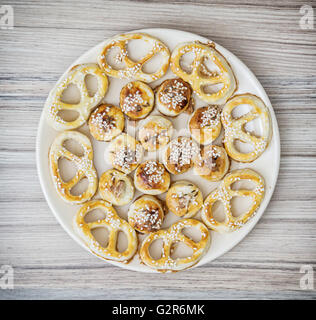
(46, 38)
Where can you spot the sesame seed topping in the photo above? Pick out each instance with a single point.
(174, 94)
(132, 102)
(210, 117)
(182, 151)
(154, 171)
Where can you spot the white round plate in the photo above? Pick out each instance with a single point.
(267, 165)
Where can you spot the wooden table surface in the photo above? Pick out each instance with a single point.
(48, 36)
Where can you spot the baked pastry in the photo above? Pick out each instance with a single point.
(173, 96)
(76, 76)
(136, 100)
(170, 237)
(116, 187)
(200, 77)
(184, 199)
(212, 163)
(106, 122)
(178, 156)
(151, 177)
(84, 165)
(225, 193)
(146, 214)
(134, 69)
(235, 127)
(155, 132)
(113, 223)
(124, 153)
(205, 124)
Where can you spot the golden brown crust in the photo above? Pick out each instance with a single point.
(106, 122)
(133, 70)
(76, 76)
(169, 237)
(178, 156)
(201, 76)
(113, 223)
(146, 214)
(205, 124)
(184, 199)
(116, 187)
(136, 100)
(125, 153)
(225, 193)
(235, 128)
(151, 177)
(155, 133)
(173, 97)
(84, 165)
(212, 163)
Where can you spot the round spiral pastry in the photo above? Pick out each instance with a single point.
(184, 199)
(116, 187)
(205, 124)
(155, 132)
(212, 163)
(146, 214)
(106, 122)
(124, 153)
(136, 100)
(151, 177)
(178, 156)
(173, 96)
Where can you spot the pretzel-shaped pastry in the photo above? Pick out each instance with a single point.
(76, 76)
(84, 164)
(200, 77)
(133, 69)
(113, 223)
(225, 193)
(235, 127)
(173, 235)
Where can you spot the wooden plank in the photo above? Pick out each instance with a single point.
(268, 38)
(263, 57)
(73, 267)
(144, 294)
(47, 37)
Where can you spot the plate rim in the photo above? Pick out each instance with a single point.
(275, 133)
